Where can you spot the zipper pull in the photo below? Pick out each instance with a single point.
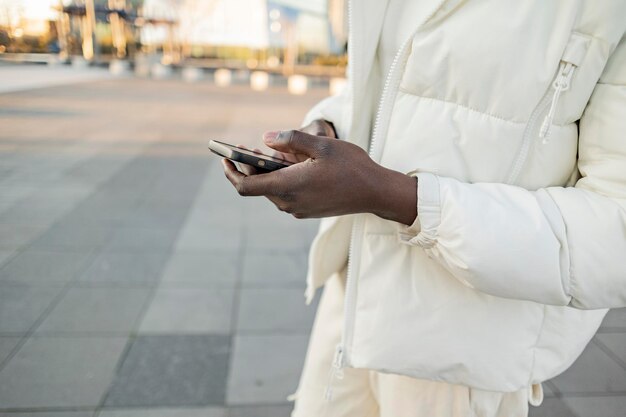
(336, 372)
(561, 83)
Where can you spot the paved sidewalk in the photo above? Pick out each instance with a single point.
(20, 77)
(135, 282)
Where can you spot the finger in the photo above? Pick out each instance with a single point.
(297, 142)
(248, 169)
(320, 127)
(245, 185)
(245, 168)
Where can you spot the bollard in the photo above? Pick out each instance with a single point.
(223, 77)
(297, 84)
(160, 71)
(192, 74)
(259, 80)
(119, 67)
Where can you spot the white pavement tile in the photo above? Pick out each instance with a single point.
(265, 369)
(60, 372)
(177, 310)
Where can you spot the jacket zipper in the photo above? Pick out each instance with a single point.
(341, 357)
(561, 83)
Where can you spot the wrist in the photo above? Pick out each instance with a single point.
(396, 197)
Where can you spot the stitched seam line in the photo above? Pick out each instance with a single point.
(567, 287)
(532, 366)
(502, 119)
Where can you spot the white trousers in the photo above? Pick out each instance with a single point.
(365, 393)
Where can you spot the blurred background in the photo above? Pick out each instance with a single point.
(134, 281)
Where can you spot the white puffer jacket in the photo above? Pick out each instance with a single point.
(512, 114)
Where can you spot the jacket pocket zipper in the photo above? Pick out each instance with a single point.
(572, 57)
(561, 82)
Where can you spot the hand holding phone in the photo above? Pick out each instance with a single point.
(262, 162)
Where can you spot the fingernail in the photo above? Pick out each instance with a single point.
(269, 137)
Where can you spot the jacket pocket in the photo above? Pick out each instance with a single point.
(542, 118)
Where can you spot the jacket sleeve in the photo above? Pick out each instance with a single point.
(556, 245)
(334, 109)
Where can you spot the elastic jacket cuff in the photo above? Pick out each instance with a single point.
(423, 231)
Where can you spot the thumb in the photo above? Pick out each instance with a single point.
(296, 142)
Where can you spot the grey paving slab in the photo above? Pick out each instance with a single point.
(265, 369)
(7, 344)
(593, 372)
(45, 267)
(597, 406)
(125, 269)
(552, 407)
(50, 414)
(127, 239)
(274, 310)
(548, 391)
(220, 237)
(96, 310)
(616, 343)
(266, 236)
(177, 310)
(5, 256)
(101, 211)
(275, 270)
(172, 371)
(59, 372)
(204, 269)
(35, 212)
(615, 320)
(72, 236)
(26, 77)
(157, 214)
(10, 194)
(16, 236)
(20, 307)
(261, 411)
(168, 412)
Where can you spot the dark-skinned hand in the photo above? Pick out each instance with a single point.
(317, 127)
(336, 178)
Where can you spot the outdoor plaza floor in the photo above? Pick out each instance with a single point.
(134, 281)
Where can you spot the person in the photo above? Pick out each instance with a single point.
(472, 253)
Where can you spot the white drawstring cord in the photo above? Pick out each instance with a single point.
(561, 83)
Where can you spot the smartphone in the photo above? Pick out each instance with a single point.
(248, 157)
